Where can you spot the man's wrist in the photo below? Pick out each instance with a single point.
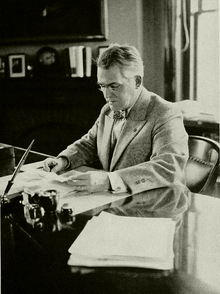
(65, 162)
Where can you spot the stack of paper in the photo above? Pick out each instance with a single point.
(111, 240)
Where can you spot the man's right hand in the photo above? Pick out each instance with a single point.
(55, 164)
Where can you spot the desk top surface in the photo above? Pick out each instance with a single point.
(196, 246)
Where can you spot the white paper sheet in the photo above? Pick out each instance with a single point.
(110, 240)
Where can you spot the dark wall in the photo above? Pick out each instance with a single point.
(53, 112)
(58, 112)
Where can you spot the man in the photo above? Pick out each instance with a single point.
(145, 150)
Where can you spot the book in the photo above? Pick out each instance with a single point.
(66, 62)
(79, 61)
(87, 61)
(73, 64)
(120, 241)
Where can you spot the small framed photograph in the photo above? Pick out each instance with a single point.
(16, 63)
(2, 66)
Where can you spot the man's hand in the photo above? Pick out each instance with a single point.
(91, 181)
(55, 164)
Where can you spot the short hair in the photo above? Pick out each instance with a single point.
(126, 57)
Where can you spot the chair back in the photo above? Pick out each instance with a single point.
(203, 164)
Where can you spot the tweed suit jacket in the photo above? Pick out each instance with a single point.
(151, 151)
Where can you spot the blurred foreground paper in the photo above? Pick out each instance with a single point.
(33, 180)
(110, 240)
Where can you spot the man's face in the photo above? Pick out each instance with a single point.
(119, 92)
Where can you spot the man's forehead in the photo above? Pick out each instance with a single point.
(111, 75)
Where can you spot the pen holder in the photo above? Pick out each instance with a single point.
(48, 199)
(33, 212)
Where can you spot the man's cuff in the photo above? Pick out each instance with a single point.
(117, 184)
(68, 162)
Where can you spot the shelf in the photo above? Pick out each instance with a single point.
(45, 83)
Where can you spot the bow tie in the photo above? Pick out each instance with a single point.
(121, 114)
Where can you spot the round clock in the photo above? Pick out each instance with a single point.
(47, 56)
(47, 62)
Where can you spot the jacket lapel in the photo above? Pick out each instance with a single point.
(106, 141)
(135, 122)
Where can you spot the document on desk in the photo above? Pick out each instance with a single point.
(34, 180)
(119, 241)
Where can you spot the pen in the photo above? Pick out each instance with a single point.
(17, 169)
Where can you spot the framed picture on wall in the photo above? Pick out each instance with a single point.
(2, 66)
(16, 65)
(57, 20)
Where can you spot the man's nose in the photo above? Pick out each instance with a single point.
(106, 92)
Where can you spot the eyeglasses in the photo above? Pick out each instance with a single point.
(113, 88)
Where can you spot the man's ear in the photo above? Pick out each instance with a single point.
(138, 80)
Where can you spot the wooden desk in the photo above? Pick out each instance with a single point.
(35, 252)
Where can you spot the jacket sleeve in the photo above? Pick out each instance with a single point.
(168, 157)
(84, 150)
